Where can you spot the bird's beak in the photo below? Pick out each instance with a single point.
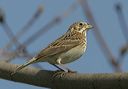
(89, 26)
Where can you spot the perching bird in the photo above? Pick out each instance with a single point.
(68, 48)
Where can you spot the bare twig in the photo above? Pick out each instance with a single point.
(2, 16)
(26, 27)
(123, 51)
(107, 52)
(52, 23)
(124, 29)
(10, 34)
(122, 21)
(7, 29)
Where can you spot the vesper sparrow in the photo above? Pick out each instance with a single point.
(68, 48)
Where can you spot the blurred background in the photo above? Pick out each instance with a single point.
(27, 26)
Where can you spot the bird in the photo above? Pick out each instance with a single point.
(66, 49)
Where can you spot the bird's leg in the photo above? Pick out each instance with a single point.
(58, 67)
(67, 69)
(60, 64)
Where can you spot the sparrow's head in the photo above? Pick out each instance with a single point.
(80, 27)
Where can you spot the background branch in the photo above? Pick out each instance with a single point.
(24, 30)
(56, 20)
(6, 27)
(123, 25)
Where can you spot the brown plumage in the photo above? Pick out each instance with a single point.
(65, 49)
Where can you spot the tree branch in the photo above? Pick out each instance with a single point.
(62, 80)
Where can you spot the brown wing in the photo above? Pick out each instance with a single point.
(58, 47)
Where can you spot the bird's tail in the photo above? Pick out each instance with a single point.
(31, 61)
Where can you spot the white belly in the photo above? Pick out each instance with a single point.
(72, 54)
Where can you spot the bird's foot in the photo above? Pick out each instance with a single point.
(66, 71)
(71, 71)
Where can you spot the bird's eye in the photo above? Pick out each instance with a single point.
(81, 24)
